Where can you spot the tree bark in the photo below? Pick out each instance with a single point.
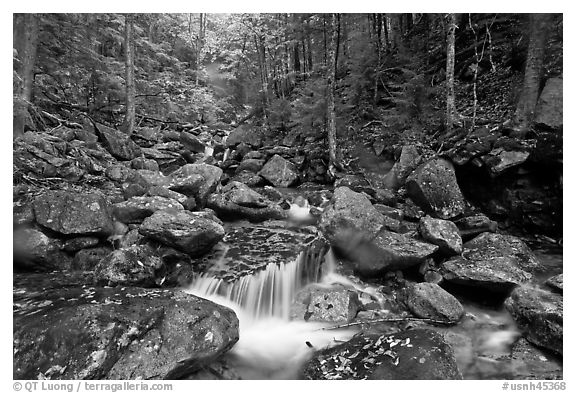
(450, 59)
(130, 118)
(25, 42)
(539, 29)
(334, 162)
(200, 45)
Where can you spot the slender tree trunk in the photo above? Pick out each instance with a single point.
(334, 163)
(199, 46)
(395, 32)
(130, 118)
(309, 45)
(25, 41)
(450, 59)
(539, 29)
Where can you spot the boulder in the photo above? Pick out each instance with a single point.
(33, 250)
(117, 143)
(191, 142)
(192, 233)
(118, 172)
(162, 191)
(280, 172)
(443, 233)
(168, 161)
(471, 226)
(136, 209)
(197, 180)
(320, 304)
(246, 134)
(499, 160)
(410, 355)
(72, 213)
(251, 179)
(428, 300)
(556, 283)
(549, 110)
(136, 265)
(251, 165)
(355, 183)
(87, 259)
(406, 164)
(154, 178)
(540, 315)
(530, 362)
(433, 187)
(66, 328)
(78, 243)
(144, 163)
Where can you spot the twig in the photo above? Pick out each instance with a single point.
(387, 320)
(371, 123)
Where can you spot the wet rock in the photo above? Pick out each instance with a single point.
(133, 266)
(349, 209)
(494, 245)
(33, 250)
(427, 300)
(191, 142)
(77, 243)
(162, 191)
(136, 209)
(325, 305)
(280, 172)
(186, 231)
(556, 283)
(530, 362)
(549, 110)
(500, 160)
(406, 164)
(433, 187)
(65, 328)
(88, 258)
(197, 180)
(474, 225)
(117, 143)
(250, 165)
(72, 213)
(414, 354)
(144, 163)
(249, 135)
(443, 233)
(239, 201)
(540, 315)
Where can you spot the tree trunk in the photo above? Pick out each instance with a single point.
(25, 41)
(539, 29)
(334, 163)
(130, 118)
(199, 45)
(309, 45)
(395, 32)
(450, 51)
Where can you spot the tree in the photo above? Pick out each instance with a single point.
(25, 42)
(539, 28)
(450, 60)
(130, 118)
(334, 163)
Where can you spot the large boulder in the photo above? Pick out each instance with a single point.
(493, 262)
(549, 110)
(320, 304)
(117, 143)
(428, 300)
(197, 180)
(72, 213)
(191, 142)
(168, 161)
(443, 233)
(433, 187)
(540, 315)
(33, 250)
(136, 209)
(136, 265)
(66, 328)
(406, 164)
(245, 134)
(192, 233)
(280, 172)
(473, 225)
(414, 354)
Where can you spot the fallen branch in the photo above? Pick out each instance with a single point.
(387, 320)
(371, 123)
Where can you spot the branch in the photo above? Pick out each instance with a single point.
(388, 320)
(371, 123)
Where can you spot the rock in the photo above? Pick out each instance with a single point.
(166, 193)
(386, 197)
(77, 243)
(530, 362)
(244, 133)
(191, 142)
(168, 161)
(540, 315)
(433, 187)
(427, 300)
(133, 266)
(117, 143)
(118, 172)
(72, 213)
(197, 180)
(493, 262)
(22, 213)
(355, 183)
(135, 185)
(549, 110)
(349, 209)
(229, 210)
(474, 225)
(185, 231)
(87, 259)
(65, 328)
(556, 283)
(406, 164)
(392, 212)
(249, 178)
(144, 163)
(499, 160)
(413, 354)
(154, 178)
(136, 209)
(251, 165)
(443, 233)
(33, 250)
(325, 305)
(280, 172)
